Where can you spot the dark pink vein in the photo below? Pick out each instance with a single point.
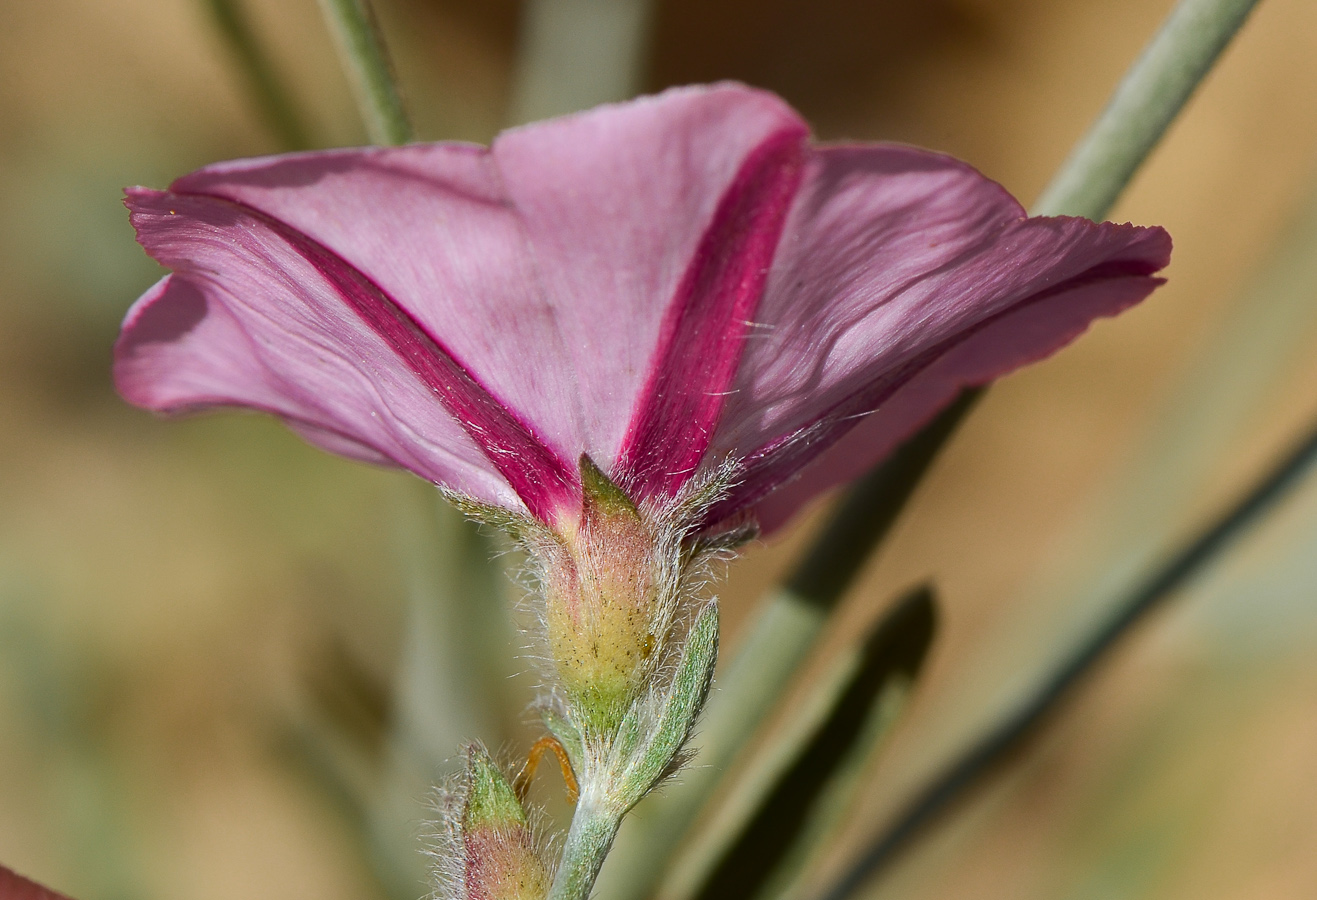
(539, 476)
(770, 466)
(703, 332)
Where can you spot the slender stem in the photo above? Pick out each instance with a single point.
(1142, 108)
(267, 90)
(361, 45)
(575, 54)
(588, 841)
(1157, 587)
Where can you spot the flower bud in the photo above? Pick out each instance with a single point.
(500, 860)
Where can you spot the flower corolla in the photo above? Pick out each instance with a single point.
(657, 290)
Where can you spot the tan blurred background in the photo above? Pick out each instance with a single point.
(200, 620)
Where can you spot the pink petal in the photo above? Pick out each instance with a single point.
(545, 263)
(15, 887)
(431, 226)
(616, 203)
(259, 315)
(901, 277)
(702, 337)
(655, 284)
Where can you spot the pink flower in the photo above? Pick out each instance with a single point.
(15, 887)
(663, 285)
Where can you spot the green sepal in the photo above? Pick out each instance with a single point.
(650, 748)
(490, 800)
(519, 527)
(600, 494)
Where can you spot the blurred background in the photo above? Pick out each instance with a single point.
(230, 665)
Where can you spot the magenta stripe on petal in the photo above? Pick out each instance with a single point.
(543, 481)
(703, 331)
(771, 466)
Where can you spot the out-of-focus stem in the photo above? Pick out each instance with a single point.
(276, 105)
(578, 53)
(1148, 99)
(361, 45)
(1145, 103)
(1179, 568)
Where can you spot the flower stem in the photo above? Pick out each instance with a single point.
(1145, 103)
(576, 54)
(588, 841)
(361, 46)
(1148, 99)
(267, 90)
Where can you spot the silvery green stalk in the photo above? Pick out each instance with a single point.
(630, 647)
(366, 59)
(616, 773)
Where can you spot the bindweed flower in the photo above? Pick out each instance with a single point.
(662, 285)
(629, 336)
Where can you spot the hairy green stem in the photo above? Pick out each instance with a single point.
(357, 34)
(588, 841)
(1145, 103)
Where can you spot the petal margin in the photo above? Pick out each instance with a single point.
(904, 276)
(1017, 339)
(258, 315)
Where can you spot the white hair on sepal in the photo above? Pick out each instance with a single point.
(680, 570)
(444, 839)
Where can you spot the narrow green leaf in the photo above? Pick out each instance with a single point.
(268, 92)
(1160, 584)
(365, 56)
(769, 822)
(680, 706)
